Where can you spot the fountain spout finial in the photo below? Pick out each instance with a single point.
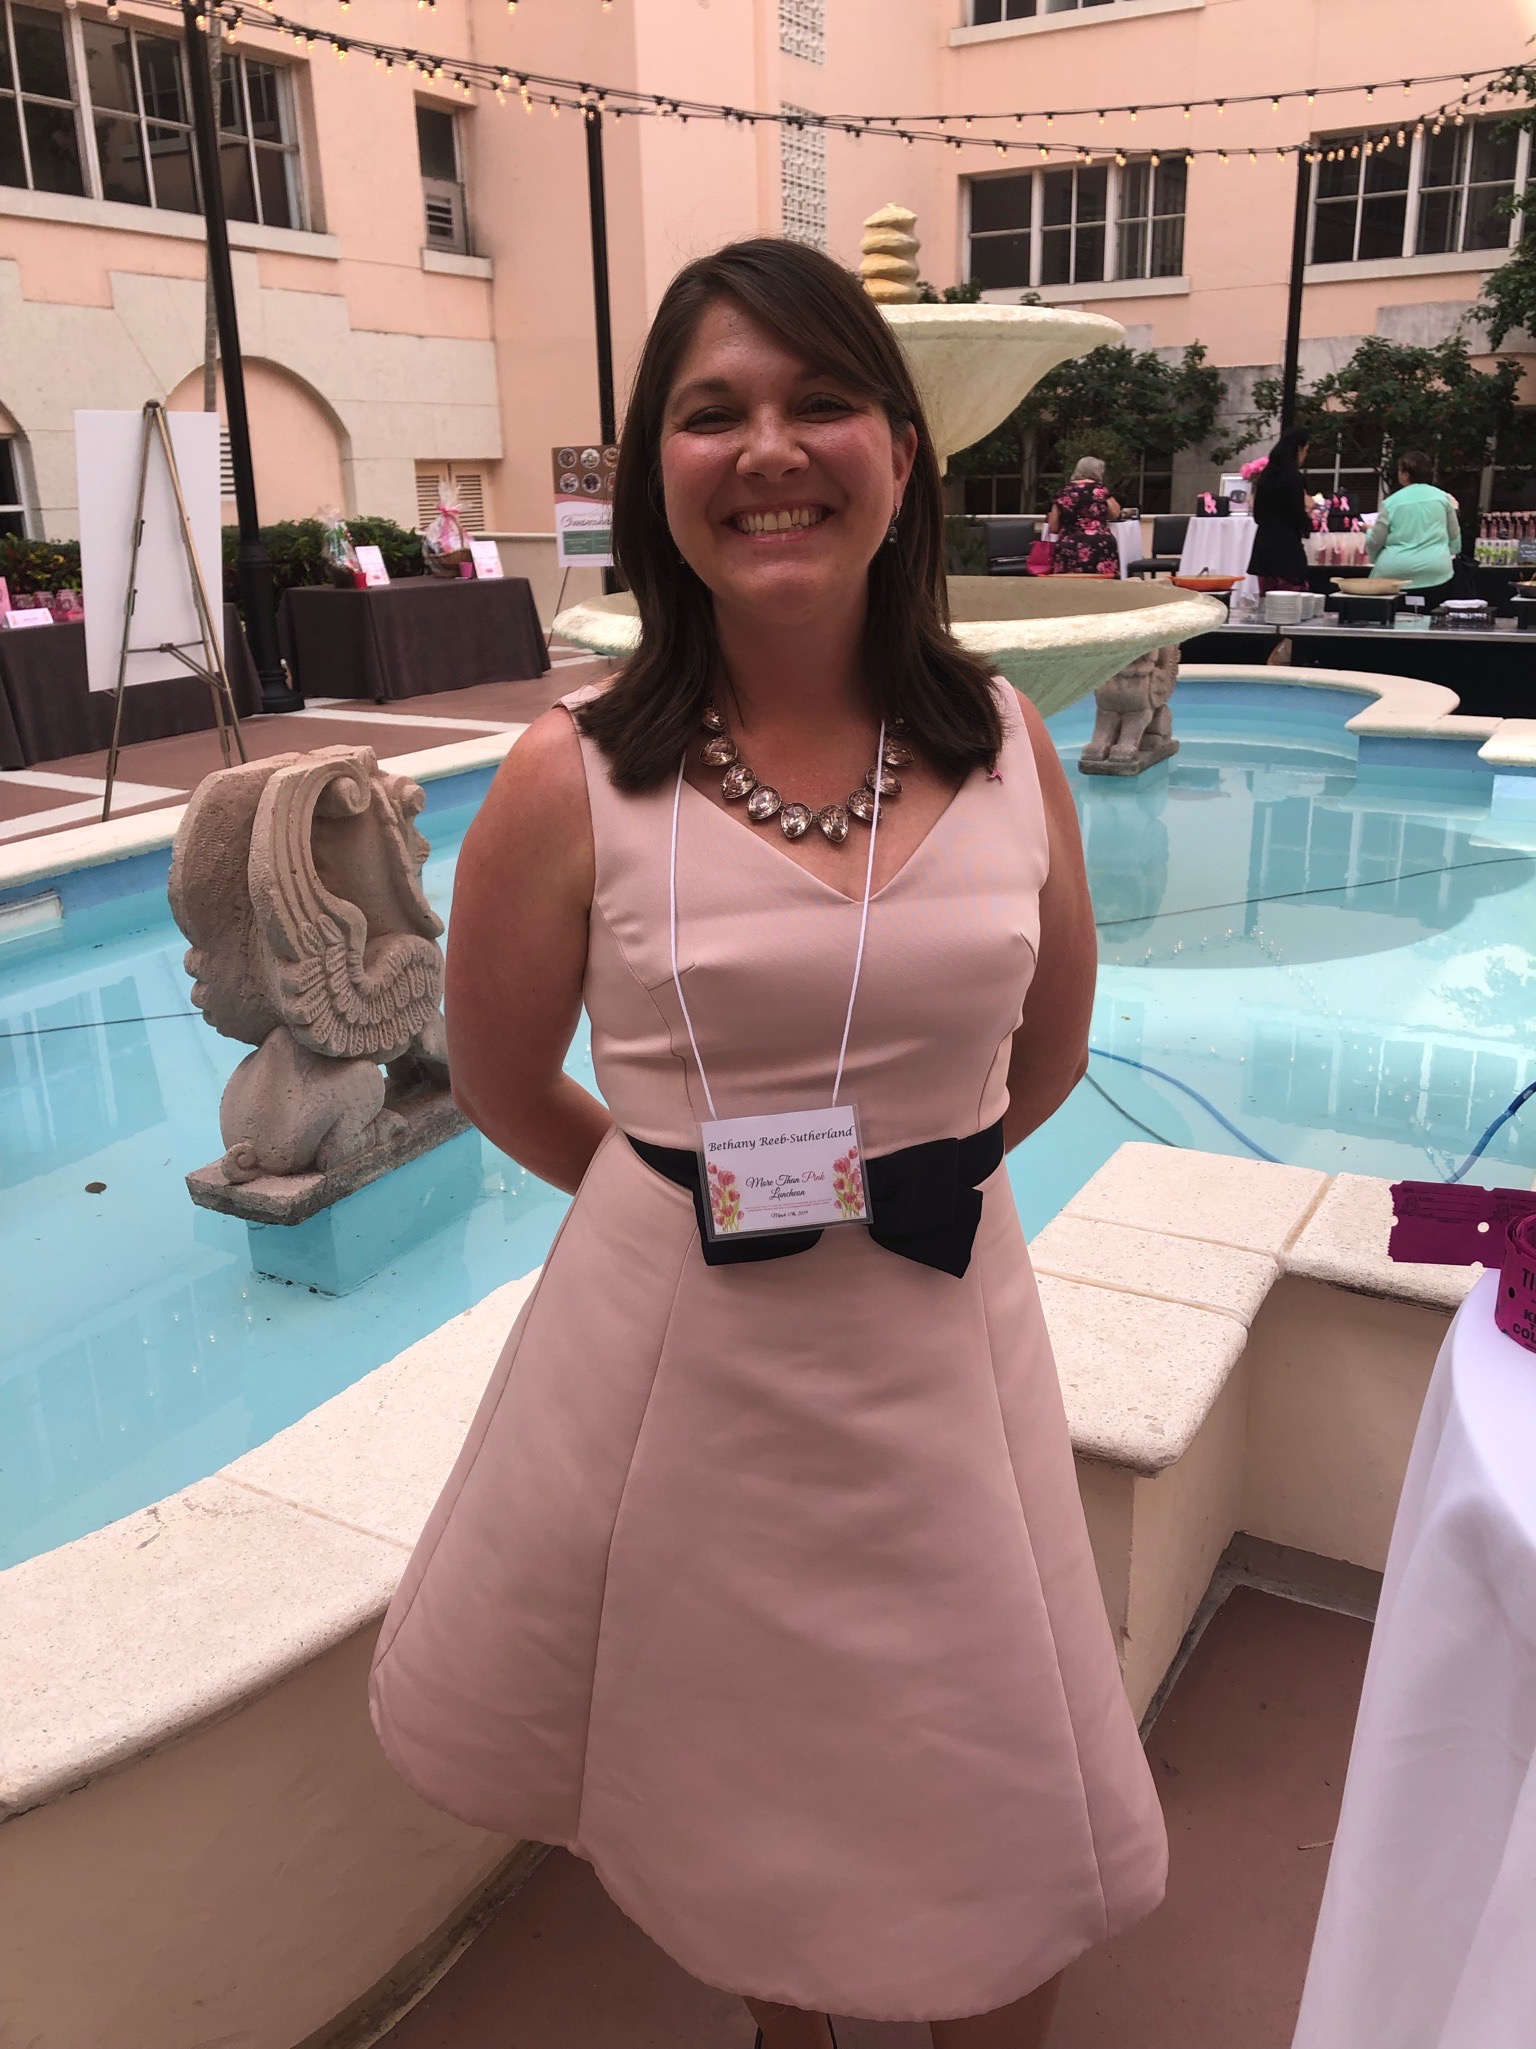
(888, 256)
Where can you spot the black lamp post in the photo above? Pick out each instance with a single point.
(597, 212)
(1290, 373)
(253, 566)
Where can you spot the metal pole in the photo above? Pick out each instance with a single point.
(597, 208)
(253, 566)
(1290, 374)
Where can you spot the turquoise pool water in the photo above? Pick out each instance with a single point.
(1341, 967)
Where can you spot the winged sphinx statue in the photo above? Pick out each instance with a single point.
(1133, 727)
(297, 882)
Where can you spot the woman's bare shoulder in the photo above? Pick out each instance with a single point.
(538, 799)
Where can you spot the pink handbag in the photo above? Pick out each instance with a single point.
(1041, 559)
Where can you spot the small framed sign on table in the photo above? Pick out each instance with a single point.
(486, 557)
(370, 561)
(28, 615)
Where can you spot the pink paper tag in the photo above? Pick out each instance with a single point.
(1515, 1310)
(1438, 1224)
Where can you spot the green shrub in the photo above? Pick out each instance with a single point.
(294, 546)
(38, 565)
(965, 546)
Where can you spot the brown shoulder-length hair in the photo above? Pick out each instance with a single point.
(915, 669)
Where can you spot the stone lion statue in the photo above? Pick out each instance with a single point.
(297, 882)
(1133, 727)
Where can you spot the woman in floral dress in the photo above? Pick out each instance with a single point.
(1080, 520)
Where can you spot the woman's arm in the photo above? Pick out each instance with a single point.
(1050, 1047)
(1053, 523)
(517, 953)
(1377, 533)
(1114, 507)
(1453, 524)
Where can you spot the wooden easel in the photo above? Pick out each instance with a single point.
(211, 668)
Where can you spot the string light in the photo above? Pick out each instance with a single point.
(558, 93)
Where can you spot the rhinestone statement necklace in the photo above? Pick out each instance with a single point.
(764, 803)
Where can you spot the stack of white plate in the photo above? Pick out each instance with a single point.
(1285, 608)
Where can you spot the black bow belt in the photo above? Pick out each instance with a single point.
(925, 1202)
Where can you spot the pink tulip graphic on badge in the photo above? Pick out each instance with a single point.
(848, 1184)
(724, 1198)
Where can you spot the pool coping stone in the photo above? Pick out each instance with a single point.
(143, 1631)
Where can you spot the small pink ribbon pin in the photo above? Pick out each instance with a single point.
(994, 775)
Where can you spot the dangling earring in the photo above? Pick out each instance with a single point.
(891, 535)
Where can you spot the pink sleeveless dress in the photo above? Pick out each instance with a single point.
(766, 1588)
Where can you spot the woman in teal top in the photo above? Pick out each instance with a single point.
(1417, 533)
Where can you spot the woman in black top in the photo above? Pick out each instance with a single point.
(1281, 515)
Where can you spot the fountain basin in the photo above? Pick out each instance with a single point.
(974, 363)
(1056, 639)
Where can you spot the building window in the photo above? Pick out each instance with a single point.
(1149, 215)
(1466, 177)
(803, 179)
(1002, 214)
(468, 483)
(100, 108)
(39, 136)
(258, 157)
(442, 183)
(984, 11)
(803, 29)
(1050, 227)
(13, 513)
(1376, 198)
(1074, 203)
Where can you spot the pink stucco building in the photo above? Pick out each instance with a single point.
(412, 261)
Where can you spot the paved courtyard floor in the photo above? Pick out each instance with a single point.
(154, 774)
(1249, 1754)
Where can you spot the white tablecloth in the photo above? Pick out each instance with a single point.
(1127, 533)
(1218, 547)
(1427, 1937)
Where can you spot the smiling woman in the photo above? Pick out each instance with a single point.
(762, 1581)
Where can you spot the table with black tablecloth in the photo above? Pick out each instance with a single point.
(48, 710)
(1493, 674)
(412, 638)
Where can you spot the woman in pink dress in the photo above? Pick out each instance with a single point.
(762, 1581)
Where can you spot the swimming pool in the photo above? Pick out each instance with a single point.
(1339, 966)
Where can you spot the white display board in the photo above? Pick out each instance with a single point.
(107, 452)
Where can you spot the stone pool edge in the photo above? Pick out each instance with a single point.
(29, 862)
(133, 1635)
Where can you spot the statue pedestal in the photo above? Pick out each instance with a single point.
(1151, 754)
(357, 1237)
(431, 1119)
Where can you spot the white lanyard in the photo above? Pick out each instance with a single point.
(858, 960)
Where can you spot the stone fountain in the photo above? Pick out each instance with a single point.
(1054, 638)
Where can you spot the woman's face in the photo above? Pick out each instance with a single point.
(779, 481)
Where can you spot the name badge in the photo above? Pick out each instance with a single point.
(802, 1171)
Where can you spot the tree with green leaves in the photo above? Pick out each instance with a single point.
(1121, 404)
(1391, 396)
(1509, 295)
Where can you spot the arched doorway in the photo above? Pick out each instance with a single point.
(297, 448)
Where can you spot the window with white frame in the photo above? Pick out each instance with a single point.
(1149, 217)
(984, 11)
(102, 109)
(1383, 196)
(442, 180)
(13, 511)
(803, 178)
(803, 29)
(1032, 229)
